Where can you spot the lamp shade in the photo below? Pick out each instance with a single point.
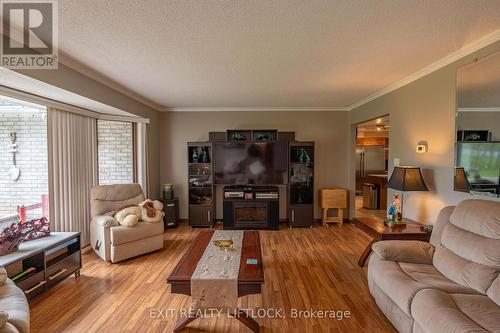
(407, 179)
(460, 182)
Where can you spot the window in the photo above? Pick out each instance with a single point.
(115, 152)
(23, 161)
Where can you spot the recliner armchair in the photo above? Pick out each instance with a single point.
(118, 243)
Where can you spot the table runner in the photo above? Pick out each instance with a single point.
(214, 283)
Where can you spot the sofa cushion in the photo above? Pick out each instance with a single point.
(494, 291)
(122, 235)
(430, 276)
(481, 217)
(4, 316)
(462, 271)
(13, 301)
(399, 286)
(3, 275)
(468, 245)
(437, 311)
(106, 198)
(402, 281)
(442, 220)
(400, 320)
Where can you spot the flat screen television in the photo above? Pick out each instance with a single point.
(481, 163)
(251, 163)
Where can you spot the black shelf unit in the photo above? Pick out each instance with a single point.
(300, 188)
(301, 184)
(201, 190)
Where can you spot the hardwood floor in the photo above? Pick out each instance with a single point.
(304, 269)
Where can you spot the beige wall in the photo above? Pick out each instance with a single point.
(423, 111)
(329, 130)
(71, 80)
(475, 120)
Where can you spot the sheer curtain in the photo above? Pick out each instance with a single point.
(143, 157)
(72, 141)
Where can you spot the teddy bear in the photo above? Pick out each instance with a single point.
(128, 215)
(151, 211)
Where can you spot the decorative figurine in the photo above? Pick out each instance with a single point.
(394, 211)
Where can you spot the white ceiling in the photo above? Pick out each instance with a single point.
(261, 53)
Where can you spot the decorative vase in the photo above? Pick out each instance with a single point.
(308, 158)
(238, 136)
(302, 156)
(195, 156)
(300, 198)
(204, 155)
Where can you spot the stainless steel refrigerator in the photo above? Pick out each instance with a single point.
(369, 160)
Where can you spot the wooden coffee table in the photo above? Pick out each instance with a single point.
(250, 277)
(376, 228)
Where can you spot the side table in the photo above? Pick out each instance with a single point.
(333, 198)
(376, 228)
(171, 210)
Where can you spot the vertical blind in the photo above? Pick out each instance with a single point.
(73, 168)
(72, 141)
(143, 157)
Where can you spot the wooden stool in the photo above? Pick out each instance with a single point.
(333, 198)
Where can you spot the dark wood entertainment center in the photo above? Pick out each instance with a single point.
(254, 207)
(251, 210)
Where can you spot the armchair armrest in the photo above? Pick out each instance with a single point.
(107, 221)
(416, 252)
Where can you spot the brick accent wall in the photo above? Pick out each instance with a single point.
(31, 159)
(115, 151)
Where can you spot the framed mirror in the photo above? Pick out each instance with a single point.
(477, 148)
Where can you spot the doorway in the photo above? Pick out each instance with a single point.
(372, 153)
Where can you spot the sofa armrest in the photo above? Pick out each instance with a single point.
(107, 221)
(416, 252)
(3, 275)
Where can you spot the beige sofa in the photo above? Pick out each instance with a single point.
(452, 285)
(14, 304)
(118, 242)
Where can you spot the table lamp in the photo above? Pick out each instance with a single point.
(460, 181)
(406, 178)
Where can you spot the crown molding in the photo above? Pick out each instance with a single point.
(480, 109)
(449, 59)
(253, 109)
(82, 69)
